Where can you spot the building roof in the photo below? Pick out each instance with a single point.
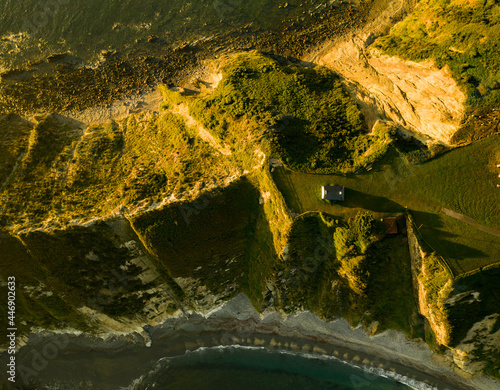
(391, 225)
(332, 192)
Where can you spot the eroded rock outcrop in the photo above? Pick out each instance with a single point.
(418, 97)
(461, 311)
(431, 286)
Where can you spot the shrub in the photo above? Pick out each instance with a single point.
(311, 122)
(351, 246)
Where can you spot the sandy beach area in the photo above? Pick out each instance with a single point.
(114, 361)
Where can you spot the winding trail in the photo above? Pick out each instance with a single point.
(471, 221)
(183, 111)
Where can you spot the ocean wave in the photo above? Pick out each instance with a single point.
(166, 362)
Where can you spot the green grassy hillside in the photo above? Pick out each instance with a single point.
(463, 180)
(68, 174)
(308, 118)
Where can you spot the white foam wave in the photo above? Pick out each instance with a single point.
(412, 383)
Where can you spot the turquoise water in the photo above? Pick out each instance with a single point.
(248, 368)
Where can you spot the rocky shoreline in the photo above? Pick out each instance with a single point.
(115, 360)
(137, 68)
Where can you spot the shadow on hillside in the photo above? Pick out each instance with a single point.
(432, 229)
(358, 199)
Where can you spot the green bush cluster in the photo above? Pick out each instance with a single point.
(316, 274)
(310, 120)
(351, 245)
(356, 238)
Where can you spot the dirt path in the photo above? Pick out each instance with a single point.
(119, 109)
(471, 221)
(183, 111)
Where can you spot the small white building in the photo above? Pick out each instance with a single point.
(333, 193)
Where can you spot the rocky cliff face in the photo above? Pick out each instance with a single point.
(461, 312)
(430, 296)
(420, 98)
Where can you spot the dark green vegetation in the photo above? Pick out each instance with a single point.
(463, 180)
(215, 241)
(436, 286)
(465, 36)
(322, 272)
(311, 122)
(351, 245)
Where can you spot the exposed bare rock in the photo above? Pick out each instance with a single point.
(482, 335)
(418, 97)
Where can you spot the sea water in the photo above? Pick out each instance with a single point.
(254, 368)
(30, 30)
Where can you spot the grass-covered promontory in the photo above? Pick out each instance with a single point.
(308, 118)
(349, 269)
(58, 171)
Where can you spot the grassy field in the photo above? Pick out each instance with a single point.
(463, 180)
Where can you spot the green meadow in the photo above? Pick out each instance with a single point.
(463, 180)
